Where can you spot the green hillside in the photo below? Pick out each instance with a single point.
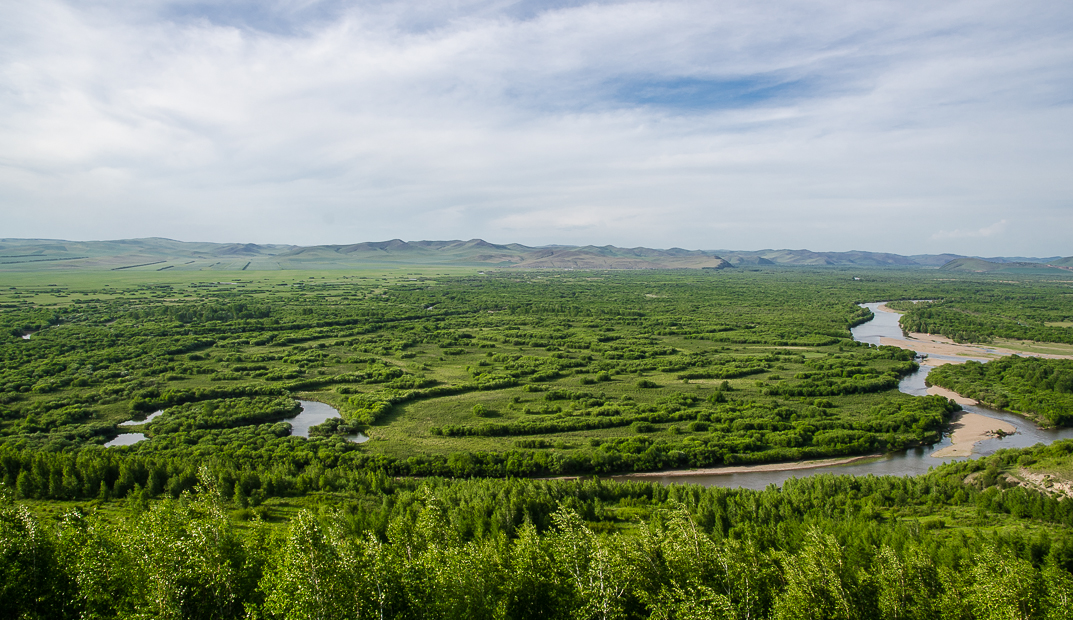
(155, 254)
(979, 265)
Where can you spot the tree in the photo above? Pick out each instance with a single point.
(905, 589)
(817, 582)
(32, 583)
(599, 572)
(188, 559)
(1004, 587)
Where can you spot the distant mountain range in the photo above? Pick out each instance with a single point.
(166, 254)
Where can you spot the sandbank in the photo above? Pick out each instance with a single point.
(933, 344)
(951, 394)
(937, 345)
(970, 428)
(748, 469)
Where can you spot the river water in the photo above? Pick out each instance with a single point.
(913, 462)
(148, 419)
(312, 414)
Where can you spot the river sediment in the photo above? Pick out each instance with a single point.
(748, 469)
(970, 428)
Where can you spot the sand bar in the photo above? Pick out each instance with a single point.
(748, 469)
(937, 345)
(933, 344)
(952, 395)
(970, 428)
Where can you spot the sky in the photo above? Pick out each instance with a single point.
(908, 126)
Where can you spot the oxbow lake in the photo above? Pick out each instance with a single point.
(312, 414)
(913, 462)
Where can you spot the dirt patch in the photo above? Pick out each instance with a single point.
(1046, 483)
(969, 429)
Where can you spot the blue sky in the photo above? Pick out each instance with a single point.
(908, 127)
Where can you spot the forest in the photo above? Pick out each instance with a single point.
(475, 391)
(965, 541)
(1034, 386)
(985, 315)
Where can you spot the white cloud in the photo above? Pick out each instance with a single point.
(319, 123)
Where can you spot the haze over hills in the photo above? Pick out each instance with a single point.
(982, 266)
(162, 254)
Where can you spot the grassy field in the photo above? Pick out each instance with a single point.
(1027, 346)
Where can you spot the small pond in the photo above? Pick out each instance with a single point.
(148, 419)
(312, 414)
(125, 439)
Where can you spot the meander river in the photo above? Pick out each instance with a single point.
(912, 462)
(312, 414)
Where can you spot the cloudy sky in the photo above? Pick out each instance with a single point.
(908, 126)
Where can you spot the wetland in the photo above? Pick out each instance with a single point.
(501, 410)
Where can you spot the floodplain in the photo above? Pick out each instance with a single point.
(491, 399)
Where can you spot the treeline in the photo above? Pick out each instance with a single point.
(1028, 385)
(971, 320)
(820, 547)
(286, 465)
(223, 413)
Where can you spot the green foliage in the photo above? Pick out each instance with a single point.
(981, 314)
(226, 371)
(843, 547)
(328, 528)
(1030, 385)
(223, 413)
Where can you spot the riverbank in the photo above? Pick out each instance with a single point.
(933, 344)
(969, 429)
(747, 469)
(936, 390)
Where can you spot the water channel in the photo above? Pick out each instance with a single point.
(312, 414)
(913, 462)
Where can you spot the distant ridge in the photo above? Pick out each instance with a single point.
(979, 265)
(157, 253)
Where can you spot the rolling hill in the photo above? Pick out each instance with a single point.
(979, 265)
(156, 254)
